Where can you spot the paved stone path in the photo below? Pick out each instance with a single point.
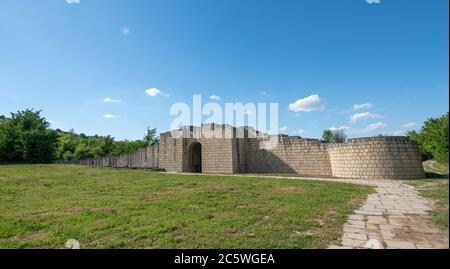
(395, 216)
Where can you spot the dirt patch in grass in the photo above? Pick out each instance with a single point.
(291, 189)
(181, 190)
(421, 230)
(31, 237)
(355, 202)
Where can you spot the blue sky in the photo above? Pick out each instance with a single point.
(317, 59)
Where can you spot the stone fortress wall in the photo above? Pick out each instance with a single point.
(223, 151)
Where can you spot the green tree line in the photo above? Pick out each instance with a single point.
(26, 136)
(433, 139)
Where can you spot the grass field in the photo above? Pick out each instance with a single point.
(435, 189)
(42, 206)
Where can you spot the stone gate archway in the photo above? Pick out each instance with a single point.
(195, 156)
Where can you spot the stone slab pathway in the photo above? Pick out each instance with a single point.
(394, 217)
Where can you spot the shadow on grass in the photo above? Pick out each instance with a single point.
(432, 175)
(19, 163)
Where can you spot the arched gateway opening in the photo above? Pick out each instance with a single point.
(196, 158)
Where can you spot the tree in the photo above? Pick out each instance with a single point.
(73, 146)
(151, 137)
(67, 143)
(433, 138)
(82, 151)
(26, 137)
(327, 135)
(8, 148)
(126, 146)
(101, 145)
(334, 136)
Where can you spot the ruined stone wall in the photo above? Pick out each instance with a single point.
(376, 158)
(152, 153)
(285, 154)
(218, 155)
(113, 162)
(170, 153)
(105, 161)
(138, 159)
(133, 159)
(122, 161)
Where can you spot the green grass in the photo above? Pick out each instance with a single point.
(42, 206)
(436, 190)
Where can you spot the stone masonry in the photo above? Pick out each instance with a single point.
(226, 149)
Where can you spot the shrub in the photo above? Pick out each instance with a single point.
(433, 139)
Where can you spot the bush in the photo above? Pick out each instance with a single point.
(335, 136)
(26, 137)
(433, 139)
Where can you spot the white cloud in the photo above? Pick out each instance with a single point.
(372, 127)
(399, 133)
(308, 104)
(410, 125)
(110, 100)
(284, 128)
(343, 127)
(155, 92)
(214, 97)
(108, 116)
(299, 131)
(362, 106)
(364, 116)
(264, 93)
(125, 30)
